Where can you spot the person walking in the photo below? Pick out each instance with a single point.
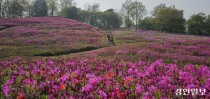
(111, 40)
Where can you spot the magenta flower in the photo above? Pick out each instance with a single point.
(95, 80)
(130, 70)
(191, 86)
(56, 87)
(6, 87)
(64, 77)
(28, 81)
(102, 94)
(183, 75)
(139, 89)
(152, 89)
(6, 90)
(141, 63)
(205, 71)
(90, 75)
(87, 88)
(207, 85)
(50, 62)
(70, 63)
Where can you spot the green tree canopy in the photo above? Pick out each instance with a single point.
(169, 19)
(197, 24)
(147, 23)
(16, 8)
(40, 8)
(208, 25)
(72, 13)
(52, 6)
(126, 11)
(138, 12)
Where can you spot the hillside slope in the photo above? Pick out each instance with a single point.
(150, 46)
(144, 64)
(34, 36)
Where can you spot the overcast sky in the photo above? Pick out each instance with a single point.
(189, 6)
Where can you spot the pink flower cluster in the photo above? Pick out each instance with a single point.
(50, 31)
(100, 78)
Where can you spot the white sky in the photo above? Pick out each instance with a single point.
(190, 7)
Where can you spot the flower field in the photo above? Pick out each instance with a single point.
(143, 64)
(31, 36)
(99, 78)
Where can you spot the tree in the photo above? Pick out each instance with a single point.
(1, 2)
(65, 5)
(52, 6)
(196, 24)
(111, 19)
(16, 9)
(84, 16)
(72, 13)
(138, 12)
(158, 8)
(208, 25)
(25, 4)
(128, 22)
(147, 23)
(28, 8)
(5, 9)
(40, 8)
(126, 10)
(91, 15)
(104, 20)
(169, 19)
(92, 7)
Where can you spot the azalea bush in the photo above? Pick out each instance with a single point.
(99, 78)
(143, 64)
(38, 35)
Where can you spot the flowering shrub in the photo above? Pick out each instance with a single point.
(99, 78)
(29, 36)
(146, 64)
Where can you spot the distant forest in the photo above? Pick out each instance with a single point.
(132, 14)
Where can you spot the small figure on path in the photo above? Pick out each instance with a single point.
(111, 40)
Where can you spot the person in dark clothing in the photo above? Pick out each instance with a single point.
(111, 40)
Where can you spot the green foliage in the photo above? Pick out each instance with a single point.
(1, 2)
(170, 19)
(53, 6)
(208, 25)
(88, 48)
(64, 7)
(40, 8)
(158, 8)
(146, 23)
(92, 7)
(198, 24)
(72, 13)
(138, 12)
(16, 9)
(158, 94)
(164, 18)
(111, 19)
(128, 22)
(5, 8)
(126, 11)
(104, 20)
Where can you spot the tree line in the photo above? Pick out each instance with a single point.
(170, 19)
(66, 8)
(132, 13)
